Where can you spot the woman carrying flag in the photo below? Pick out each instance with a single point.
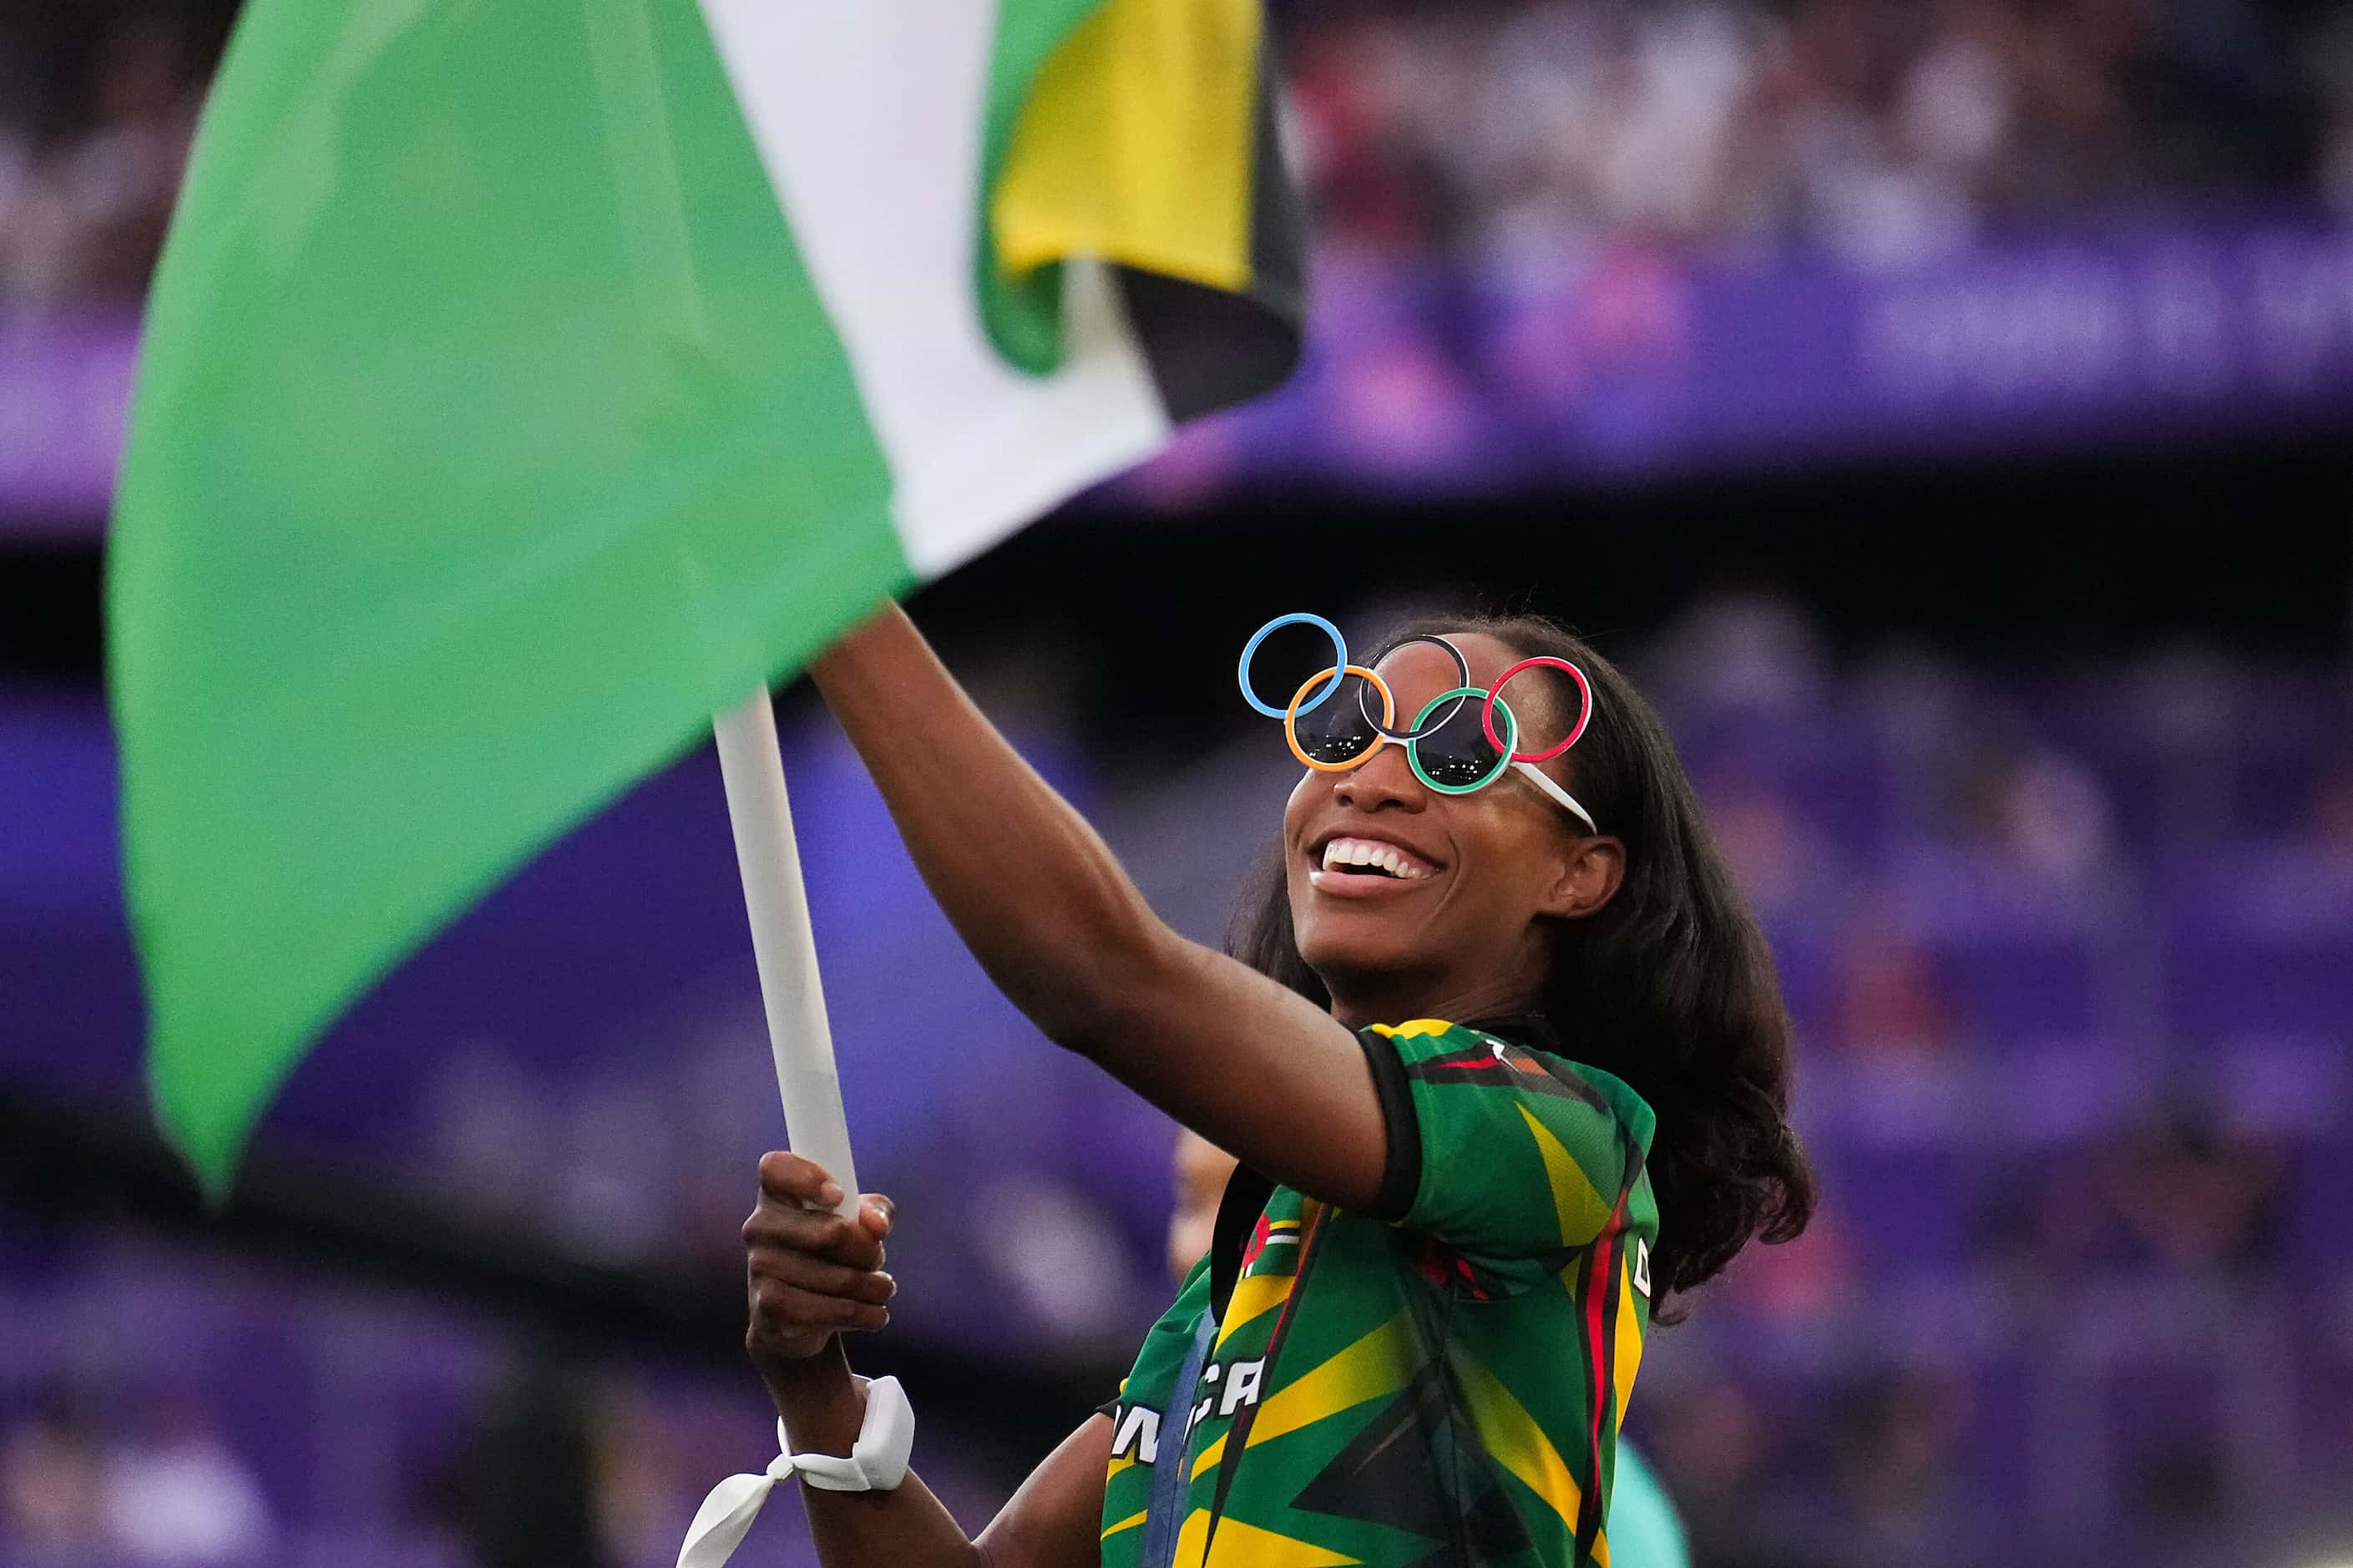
(1504, 1060)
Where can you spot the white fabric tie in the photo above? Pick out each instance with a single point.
(877, 1462)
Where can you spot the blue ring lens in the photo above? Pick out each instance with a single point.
(1298, 619)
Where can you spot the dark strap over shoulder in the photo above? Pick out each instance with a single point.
(1238, 1211)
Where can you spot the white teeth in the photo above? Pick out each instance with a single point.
(1363, 852)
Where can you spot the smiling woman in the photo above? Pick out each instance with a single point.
(1505, 1067)
(1666, 983)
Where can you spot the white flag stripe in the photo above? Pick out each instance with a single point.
(976, 449)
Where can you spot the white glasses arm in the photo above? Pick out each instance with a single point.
(1567, 802)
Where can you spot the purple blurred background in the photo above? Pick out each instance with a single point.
(1941, 409)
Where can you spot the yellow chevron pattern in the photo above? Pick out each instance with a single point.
(1254, 1295)
(1581, 1210)
(1240, 1546)
(1379, 1362)
(1518, 1444)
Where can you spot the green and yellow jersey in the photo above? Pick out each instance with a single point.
(1438, 1379)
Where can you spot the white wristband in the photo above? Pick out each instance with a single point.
(877, 1462)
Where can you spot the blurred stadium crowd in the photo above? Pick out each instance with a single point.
(1523, 133)
(1520, 135)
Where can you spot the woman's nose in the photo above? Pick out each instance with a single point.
(1386, 779)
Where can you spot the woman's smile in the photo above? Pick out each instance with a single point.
(1368, 865)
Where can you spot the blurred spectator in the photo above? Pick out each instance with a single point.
(1751, 652)
(52, 1484)
(1899, 1075)
(1892, 1003)
(177, 1494)
(1895, 1499)
(88, 211)
(1201, 1169)
(640, 1501)
(485, 1127)
(531, 1489)
(2331, 816)
(1810, 1280)
(1057, 1252)
(2042, 812)
(1711, 1437)
(1744, 672)
(2180, 1194)
(2174, 1196)
(1778, 858)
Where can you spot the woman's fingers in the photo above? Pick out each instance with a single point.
(790, 1315)
(789, 1178)
(814, 1274)
(827, 1235)
(811, 1272)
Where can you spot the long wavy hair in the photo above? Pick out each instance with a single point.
(1669, 985)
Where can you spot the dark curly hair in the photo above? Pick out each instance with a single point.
(1669, 986)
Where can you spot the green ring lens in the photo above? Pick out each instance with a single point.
(1502, 759)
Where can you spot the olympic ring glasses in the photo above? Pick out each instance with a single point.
(1457, 751)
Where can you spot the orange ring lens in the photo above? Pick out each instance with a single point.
(1291, 718)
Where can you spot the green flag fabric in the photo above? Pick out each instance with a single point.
(526, 383)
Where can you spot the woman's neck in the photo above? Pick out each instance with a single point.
(1397, 998)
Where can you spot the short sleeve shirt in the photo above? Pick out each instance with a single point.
(1439, 1377)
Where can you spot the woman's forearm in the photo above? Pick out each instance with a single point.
(1035, 894)
(1047, 911)
(822, 1405)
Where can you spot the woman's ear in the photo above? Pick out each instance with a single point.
(1590, 876)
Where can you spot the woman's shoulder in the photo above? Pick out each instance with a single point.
(1623, 1100)
(1525, 1054)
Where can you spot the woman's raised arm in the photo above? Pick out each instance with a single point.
(1058, 925)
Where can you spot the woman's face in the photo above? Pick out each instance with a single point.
(1455, 919)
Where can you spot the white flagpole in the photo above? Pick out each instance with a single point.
(769, 861)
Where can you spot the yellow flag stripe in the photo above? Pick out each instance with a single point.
(1380, 1363)
(1130, 1522)
(1210, 1456)
(1137, 144)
